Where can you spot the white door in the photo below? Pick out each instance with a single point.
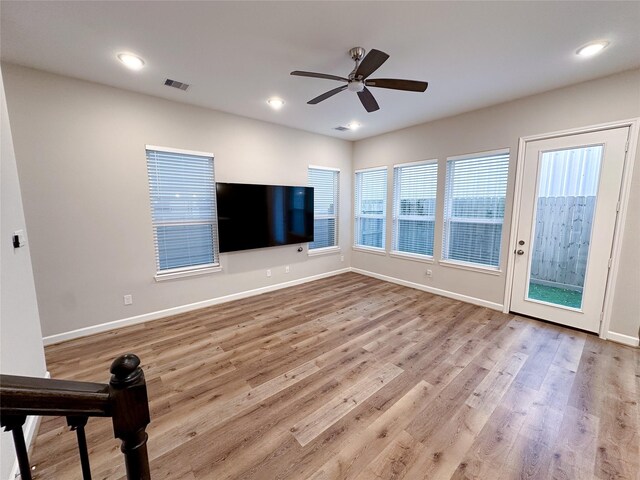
(568, 211)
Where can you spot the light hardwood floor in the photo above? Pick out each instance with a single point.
(351, 377)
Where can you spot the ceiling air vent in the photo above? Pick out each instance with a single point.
(340, 128)
(179, 85)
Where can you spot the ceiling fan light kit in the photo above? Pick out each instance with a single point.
(355, 86)
(357, 81)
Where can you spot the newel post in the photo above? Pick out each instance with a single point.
(130, 412)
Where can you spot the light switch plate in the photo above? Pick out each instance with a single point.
(21, 239)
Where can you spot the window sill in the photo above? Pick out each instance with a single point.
(374, 250)
(323, 251)
(161, 277)
(471, 267)
(410, 256)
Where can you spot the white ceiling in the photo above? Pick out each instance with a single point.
(237, 54)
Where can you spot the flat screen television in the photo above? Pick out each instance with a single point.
(258, 216)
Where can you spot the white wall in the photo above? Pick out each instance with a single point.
(21, 351)
(608, 99)
(81, 152)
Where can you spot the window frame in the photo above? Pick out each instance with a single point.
(383, 216)
(447, 217)
(336, 215)
(191, 270)
(396, 217)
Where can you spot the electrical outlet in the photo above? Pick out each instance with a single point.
(429, 273)
(286, 269)
(342, 258)
(128, 299)
(269, 273)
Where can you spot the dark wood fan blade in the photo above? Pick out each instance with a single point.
(371, 62)
(318, 75)
(368, 102)
(396, 84)
(326, 95)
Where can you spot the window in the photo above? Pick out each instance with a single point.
(474, 208)
(183, 209)
(325, 183)
(371, 208)
(414, 207)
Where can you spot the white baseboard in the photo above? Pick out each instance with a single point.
(30, 430)
(125, 322)
(436, 291)
(624, 339)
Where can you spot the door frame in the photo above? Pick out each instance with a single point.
(625, 190)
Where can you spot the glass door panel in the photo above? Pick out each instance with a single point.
(565, 205)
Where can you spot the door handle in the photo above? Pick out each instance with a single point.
(520, 252)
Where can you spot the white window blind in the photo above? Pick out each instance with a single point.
(414, 207)
(474, 208)
(325, 183)
(183, 206)
(370, 208)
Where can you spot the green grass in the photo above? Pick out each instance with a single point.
(559, 296)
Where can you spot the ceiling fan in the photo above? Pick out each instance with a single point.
(358, 81)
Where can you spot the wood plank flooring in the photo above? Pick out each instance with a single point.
(353, 378)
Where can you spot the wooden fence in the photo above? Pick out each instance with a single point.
(562, 237)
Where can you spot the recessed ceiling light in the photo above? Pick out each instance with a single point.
(353, 126)
(275, 103)
(592, 48)
(131, 61)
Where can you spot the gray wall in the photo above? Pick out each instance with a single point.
(81, 162)
(81, 151)
(21, 351)
(608, 99)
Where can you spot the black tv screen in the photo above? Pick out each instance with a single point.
(257, 216)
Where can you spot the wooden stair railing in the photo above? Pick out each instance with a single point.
(124, 399)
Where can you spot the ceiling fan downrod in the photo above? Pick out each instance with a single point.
(355, 83)
(357, 54)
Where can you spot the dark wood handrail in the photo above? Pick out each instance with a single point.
(40, 396)
(124, 399)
